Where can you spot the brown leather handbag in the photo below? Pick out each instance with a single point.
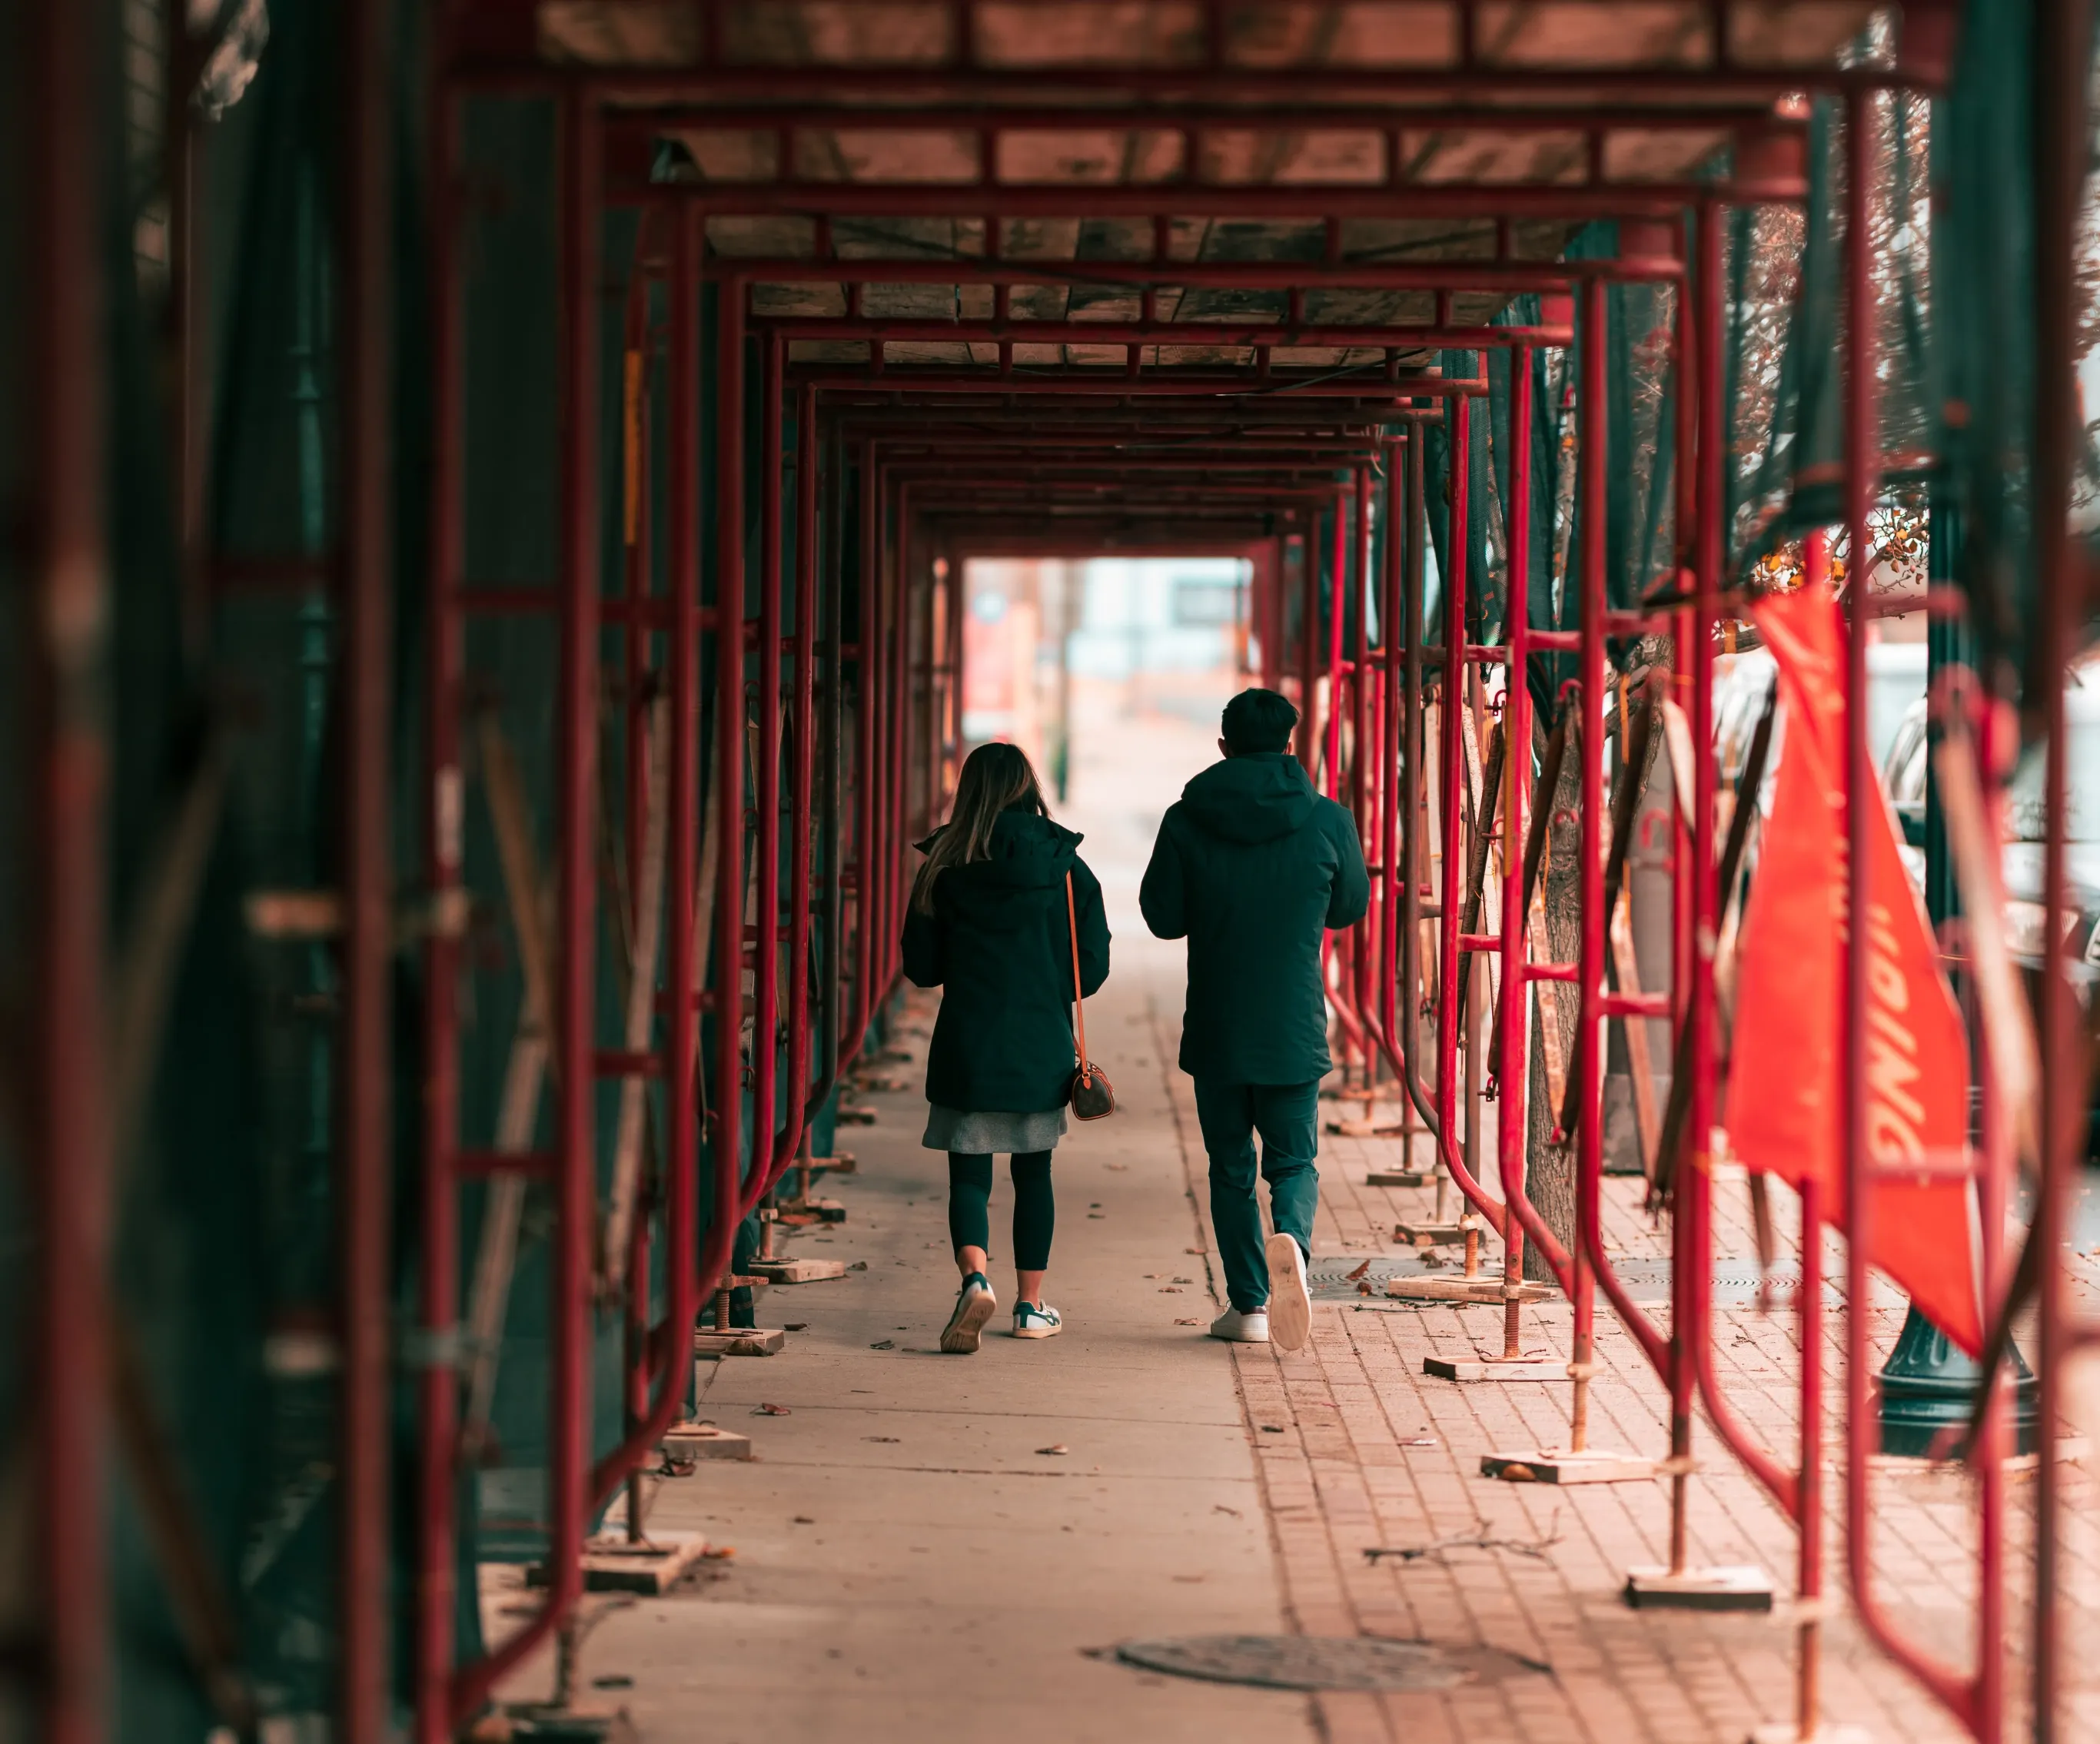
(1093, 1097)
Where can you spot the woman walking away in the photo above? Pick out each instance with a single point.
(989, 924)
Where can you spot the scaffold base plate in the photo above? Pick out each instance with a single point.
(1556, 1466)
(1492, 1368)
(740, 1341)
(1740, 1587)
(1398, 1178)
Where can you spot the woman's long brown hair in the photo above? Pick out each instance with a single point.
(994, 778)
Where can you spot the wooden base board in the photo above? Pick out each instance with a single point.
(687, 1443)
(1492, 1368)
(611, 1564)
(1481, 1289)
(740, 1341)
(858, 1114)
(798, 1213)
(798, 1271)
(845, 1163)
(1557, 1465)
(1399, 1177)
(1737, 1587)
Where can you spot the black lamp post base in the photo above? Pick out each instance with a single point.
(1930, 1386)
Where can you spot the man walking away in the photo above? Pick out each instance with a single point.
(1251, 868)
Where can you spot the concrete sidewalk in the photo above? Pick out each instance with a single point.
(909, 1562)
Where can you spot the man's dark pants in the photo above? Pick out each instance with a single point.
(1287, 1117)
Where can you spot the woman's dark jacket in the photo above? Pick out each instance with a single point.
(1253, 867)
(998, 942)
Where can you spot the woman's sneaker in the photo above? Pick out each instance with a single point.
(1036, 1320)
(1237, 1328)
(974, 1304)
(1290, 1301)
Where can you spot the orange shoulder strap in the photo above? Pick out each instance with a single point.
(1079, 999)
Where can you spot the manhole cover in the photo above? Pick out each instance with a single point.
(1313, 1661)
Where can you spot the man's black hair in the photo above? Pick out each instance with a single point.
(1258, 721)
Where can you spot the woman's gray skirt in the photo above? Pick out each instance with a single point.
(982, 1134)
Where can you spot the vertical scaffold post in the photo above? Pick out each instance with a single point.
(726, 1102)
(69, 1135)
(438, 1384)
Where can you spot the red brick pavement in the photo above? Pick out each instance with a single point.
(1356, 1449)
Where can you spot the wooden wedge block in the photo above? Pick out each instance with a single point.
(1735, 1588)
(1557, 1465)
(654, 1565)
(1490, 1368)
(1481, 1289)
(688, 1443)
(740, 1341)
(1429, 1235)
(798, 1271)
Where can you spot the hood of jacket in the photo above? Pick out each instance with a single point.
(1253, 798)
(1029, 855)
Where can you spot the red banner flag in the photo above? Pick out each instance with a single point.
(1785, 1105)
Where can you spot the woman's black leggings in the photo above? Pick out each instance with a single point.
(1034, 1208)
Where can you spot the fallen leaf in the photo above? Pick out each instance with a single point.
(1514, 1473)
(805, 1519)
(613, 1680)
(859, 1265)
(1188, 1322)
(773, 1410)
(879, 1438)
(797, 1325)
(1219, 1507)
(1169, 1290)
(719, 1552)
(1361, 1271)
(1055, 1447)
(1365, 1290)
(1181, 1280)
(1272, 1428)
(884, 1343)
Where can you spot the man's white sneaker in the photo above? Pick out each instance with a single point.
(1290, 1302)
(1237, 1328)
(974, 1305)
(1036, 1320)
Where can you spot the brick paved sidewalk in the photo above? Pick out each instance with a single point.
(1357, 1449)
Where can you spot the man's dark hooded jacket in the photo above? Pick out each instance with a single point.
(1251, 868)
(999, 942)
